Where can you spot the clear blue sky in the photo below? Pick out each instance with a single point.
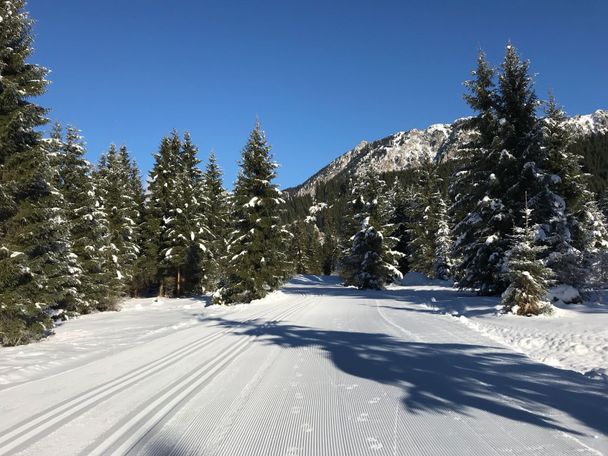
(321, 75)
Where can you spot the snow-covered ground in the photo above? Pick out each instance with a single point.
(574, 336)
(314, 369)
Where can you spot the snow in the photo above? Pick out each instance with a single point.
(573, 337)
(313, 369)
(565, 294)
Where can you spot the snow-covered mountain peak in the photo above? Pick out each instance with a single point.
(406, 149)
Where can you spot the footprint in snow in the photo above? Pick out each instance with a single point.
(374, 443)
(362, 417)
(306, 427)
(292, 451)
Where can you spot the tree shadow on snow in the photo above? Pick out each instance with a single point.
(450, 377)
(446, 300)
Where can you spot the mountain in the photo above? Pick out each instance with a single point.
(405, 149)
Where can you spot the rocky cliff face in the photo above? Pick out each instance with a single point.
(406, 149)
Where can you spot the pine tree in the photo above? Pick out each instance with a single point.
(117, 182)
(38, 277)
(528, 276)
(306, 247)
(427, 226)
(186, 226)
(257, 262)
(370, 261)
(217, 209)
(500, 166)
(443, 240)
(160, 204)
(88, 223)
(561, 199)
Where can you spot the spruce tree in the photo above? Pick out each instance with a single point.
(88, 224)
(501, 164)
(370, 262)
(528, 276)
(38, 277)
(117, 181)
(217, 209)
(160, 204)
(186, 225)
(257, 262)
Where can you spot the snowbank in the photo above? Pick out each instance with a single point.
(574, 336)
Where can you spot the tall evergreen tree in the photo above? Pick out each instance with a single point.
(186, 226)
(428, 229)
(217, 211)
(88, 224)
(256, 262)
(370, 261)
(38, 277)
(500, 166)
(116, 180)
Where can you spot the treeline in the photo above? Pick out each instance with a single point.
(76, 238)
(512, 214)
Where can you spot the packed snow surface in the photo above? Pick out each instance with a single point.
(315, 369)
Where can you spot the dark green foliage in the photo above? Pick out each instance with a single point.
(217, 214)
(369, 262)
(26, 192)
(306, 250)
(88, 224)
(116, 180)
(529, 278)
(427, 225)
(497, 169)
(256, 261)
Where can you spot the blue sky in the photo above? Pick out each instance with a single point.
(321, 75)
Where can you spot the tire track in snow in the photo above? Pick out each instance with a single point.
(25, 433)
(125, 435)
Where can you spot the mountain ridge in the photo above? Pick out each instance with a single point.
(403, 149)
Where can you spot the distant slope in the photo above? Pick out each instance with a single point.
(405, 149)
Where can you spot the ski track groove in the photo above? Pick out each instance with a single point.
(24, 433)
(126, 434)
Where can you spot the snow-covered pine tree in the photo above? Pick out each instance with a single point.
(257, 262)
(593, 241)
(427, 223)
(476, 191)
(489, 188)
(88, 223)
(561, 199)
(115, 180)
(443, 240)
(305, 248)
(186, 226)
(160, 204)
(370, 261)
(399, 199)
(216, 201)
(528, 276)
(38, 277)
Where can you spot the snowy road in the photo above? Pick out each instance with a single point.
(315, 370)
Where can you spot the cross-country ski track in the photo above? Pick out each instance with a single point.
(315, 369)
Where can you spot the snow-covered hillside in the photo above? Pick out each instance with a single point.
(406, 148)
(314, 369)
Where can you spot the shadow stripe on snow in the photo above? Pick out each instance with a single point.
(25, 433)
(122, 437)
